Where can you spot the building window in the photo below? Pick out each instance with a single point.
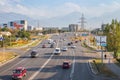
(22, 22)
(5, 25)
(11, 23)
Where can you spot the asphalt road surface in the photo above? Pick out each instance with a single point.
(48, 66)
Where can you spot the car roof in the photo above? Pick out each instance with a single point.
(57, 48)
(34, 50)
(20, 68)
(66, 61)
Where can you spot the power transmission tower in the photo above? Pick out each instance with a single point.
(82, 21)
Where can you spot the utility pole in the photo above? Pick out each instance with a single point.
(38, 24)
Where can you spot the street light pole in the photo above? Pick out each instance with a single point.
(3, 47)
(10, 40)
(101, 51)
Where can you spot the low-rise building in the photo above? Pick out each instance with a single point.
(65, 29)
(38, 28)
(30, 28)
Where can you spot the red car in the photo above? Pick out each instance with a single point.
(19, 73)
(43, 46)
(76, 41)
(66, 64)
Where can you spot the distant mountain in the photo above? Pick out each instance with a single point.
(62, 21)
(6, 17)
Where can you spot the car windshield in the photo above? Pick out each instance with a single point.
(65, 63)
(33, 52)
(64, 47)
(57, 50)
(17, 71)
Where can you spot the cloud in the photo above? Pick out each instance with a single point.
(101, 9)
(59, 10)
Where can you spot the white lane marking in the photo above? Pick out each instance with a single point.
(73, 66)
(57, 43)
(13, 66)
(37, 72)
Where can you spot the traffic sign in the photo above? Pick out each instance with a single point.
(1, 38)
(101, 41)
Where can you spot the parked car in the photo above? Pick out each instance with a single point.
(34, 54)
(66, 65)
(57, 51)
(19, 73)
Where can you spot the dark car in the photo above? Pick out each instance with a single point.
(66, 64)
(19, 73)
(34, 54)
(52, 46)
(76, 41)
(43, 46)
(69, 44)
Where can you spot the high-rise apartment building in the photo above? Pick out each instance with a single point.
(73, 27)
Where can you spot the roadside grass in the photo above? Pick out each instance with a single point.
(83, 44)
(39, 39)
(102, 69)
(5, 56)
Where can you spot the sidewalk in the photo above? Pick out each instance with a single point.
(109, 62)
(111, 65)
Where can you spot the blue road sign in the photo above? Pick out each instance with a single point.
(1, 38)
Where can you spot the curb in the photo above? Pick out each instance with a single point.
(92, 69)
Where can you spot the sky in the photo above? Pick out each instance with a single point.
(47, 9)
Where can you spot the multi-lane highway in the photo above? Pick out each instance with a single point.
(48, 66)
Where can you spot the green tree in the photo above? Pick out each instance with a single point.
(112, 31)
(5, 28)
(23, 34)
